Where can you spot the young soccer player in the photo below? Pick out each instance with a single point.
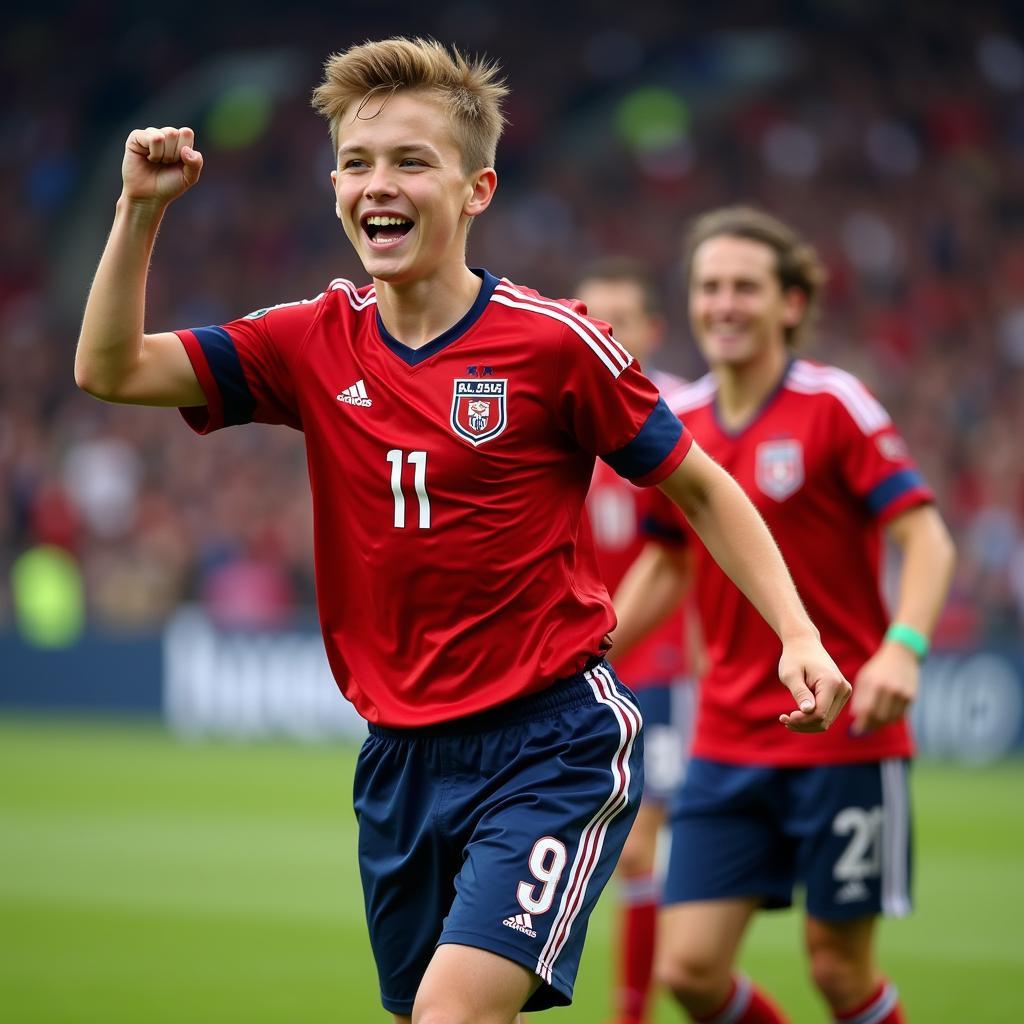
(451, 421)
(758, 812)
(621, 292)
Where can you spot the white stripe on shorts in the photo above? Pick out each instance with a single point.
(895, 838)
(588, 852)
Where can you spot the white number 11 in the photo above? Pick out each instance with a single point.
(419, 480)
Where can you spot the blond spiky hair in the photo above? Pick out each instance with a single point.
(470, 89)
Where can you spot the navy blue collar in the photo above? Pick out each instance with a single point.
(761, 409)
(415, 356)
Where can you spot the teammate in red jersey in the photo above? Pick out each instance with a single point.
(451, 421)
(758, 812)
(620, 291)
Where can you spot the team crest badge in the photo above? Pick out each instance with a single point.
(479, 408)
(779, 468)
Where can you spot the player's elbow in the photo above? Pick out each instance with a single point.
(97, 384)
(86, 380)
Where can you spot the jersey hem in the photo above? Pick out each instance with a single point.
(819, 758)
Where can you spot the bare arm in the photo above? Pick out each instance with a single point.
(649, 592)
(887, 684)
(737, 538)
(116, 360)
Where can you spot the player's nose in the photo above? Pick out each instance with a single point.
(380, 183)
(724, 301)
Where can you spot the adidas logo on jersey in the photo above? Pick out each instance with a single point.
(521, 923)
(356, 395)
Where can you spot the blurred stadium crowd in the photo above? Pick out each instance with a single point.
(892, 135)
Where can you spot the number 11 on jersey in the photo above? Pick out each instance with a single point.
(418, 460)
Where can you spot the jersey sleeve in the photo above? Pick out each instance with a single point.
(874, 460)
(244, 368)
(612, 410)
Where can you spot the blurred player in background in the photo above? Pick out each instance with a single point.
(621, 292)
(451, 421)
(757, 812)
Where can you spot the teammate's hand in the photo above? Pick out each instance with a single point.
(884, 687)
(160, 164)
(818, 687)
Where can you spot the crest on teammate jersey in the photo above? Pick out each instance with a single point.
(479, 408)
(779, 468)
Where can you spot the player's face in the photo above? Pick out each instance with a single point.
(738, 310)
(401, 193)
(623, 304)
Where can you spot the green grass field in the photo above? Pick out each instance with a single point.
(143, 879)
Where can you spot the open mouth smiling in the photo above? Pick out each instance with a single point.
(386, 230)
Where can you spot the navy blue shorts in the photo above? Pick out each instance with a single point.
(841, 831)
(497, 831)
(667, 710)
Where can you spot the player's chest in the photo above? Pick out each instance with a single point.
(781, 462)
(469, 408)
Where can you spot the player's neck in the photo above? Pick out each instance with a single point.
(743, 388)
(417, 312)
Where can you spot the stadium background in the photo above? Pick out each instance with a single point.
(150, 579)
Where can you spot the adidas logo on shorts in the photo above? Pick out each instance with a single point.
(521, 923)
(853, 891)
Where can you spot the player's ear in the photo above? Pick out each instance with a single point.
(483, 183)
(794, 306)
(334, 189)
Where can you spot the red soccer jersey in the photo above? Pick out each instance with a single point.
(617, 510)
(825, 467)
(454, 565)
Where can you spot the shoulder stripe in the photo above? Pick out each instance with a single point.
(865, 410)
(259, 314)
(562, 314)
(355, 300)
(690, 396)
(618, 354)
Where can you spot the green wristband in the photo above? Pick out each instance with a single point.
(909, 637)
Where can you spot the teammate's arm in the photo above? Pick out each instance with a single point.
(651, 590)
(737, 538)
(887, 684)
(116, 360)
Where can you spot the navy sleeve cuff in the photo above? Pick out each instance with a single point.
(222, 357)
(652, 445)
(893, 488)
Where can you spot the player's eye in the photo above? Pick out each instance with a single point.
(411, 161)
(353, 163)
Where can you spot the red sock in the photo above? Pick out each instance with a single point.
(882, 1008)
(636, 948)
(746, 1004)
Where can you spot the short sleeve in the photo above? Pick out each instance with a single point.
(244, 368)
(612, 410)
(874, 460)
